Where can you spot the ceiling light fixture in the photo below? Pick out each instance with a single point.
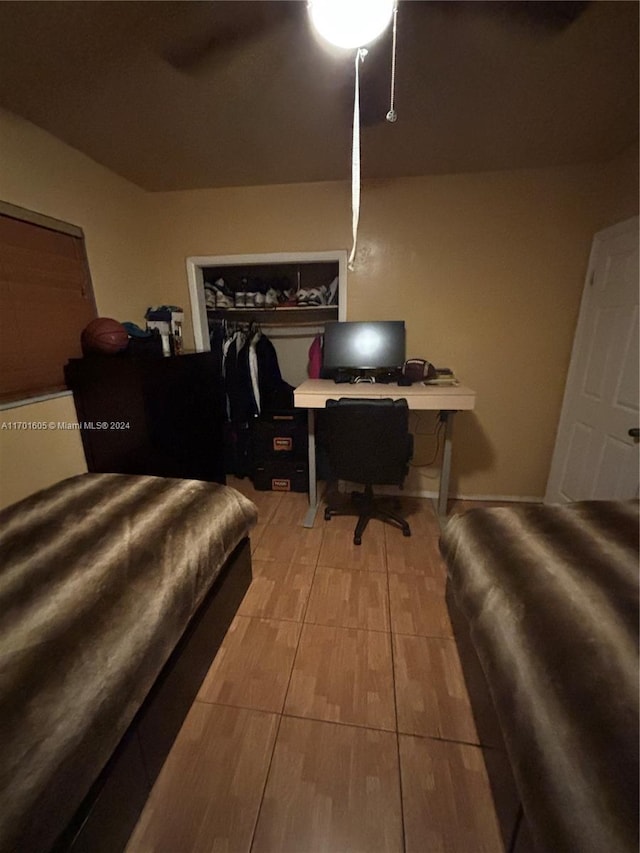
(352, 24)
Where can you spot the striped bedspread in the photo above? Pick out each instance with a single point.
(551, 597)
(99, 577)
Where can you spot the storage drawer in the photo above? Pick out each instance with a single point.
(282, 475)
(278, 436)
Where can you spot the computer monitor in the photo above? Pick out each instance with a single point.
(363, 346)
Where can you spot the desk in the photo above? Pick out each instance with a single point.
(314, 393)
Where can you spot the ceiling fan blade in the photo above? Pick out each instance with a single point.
(208, 30)
(539, 15)
(191, 50)
(543, 16)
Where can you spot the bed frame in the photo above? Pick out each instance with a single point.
(515, 833)
(546, 596)
(109, 813)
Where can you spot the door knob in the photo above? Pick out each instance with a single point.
(634, 432)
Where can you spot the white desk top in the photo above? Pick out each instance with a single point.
(314, 393)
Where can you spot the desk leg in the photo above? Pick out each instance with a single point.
(313, 485)
(445, 472)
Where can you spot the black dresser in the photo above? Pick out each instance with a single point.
(159, 416)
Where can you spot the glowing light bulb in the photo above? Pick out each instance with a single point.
(351, 23)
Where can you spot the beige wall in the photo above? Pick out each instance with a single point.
(486, 269)
(43, 174)
(38, 447)
(618, 198)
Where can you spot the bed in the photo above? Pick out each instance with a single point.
(545, 599)
(115, 592)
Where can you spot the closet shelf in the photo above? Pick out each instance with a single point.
(298, 316)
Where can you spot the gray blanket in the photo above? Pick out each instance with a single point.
(551, 597)
(99, 577)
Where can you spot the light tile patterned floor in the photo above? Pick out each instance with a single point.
(335, 717)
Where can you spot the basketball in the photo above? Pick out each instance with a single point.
(104, 336)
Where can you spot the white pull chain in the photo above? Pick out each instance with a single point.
(392, 115)
(355, 160)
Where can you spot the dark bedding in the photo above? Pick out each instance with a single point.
(550, 594)
(100, 575)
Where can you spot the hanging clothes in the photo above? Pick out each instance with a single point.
(271, 392)
(253, 384)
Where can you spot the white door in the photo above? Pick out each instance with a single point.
(595, 458)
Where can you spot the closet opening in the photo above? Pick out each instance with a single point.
(259, 315)
(291, 295)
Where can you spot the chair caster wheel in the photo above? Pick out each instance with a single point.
(406, 533)
(357, 540)
(327, 515)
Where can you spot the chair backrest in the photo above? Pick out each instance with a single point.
(368, 440)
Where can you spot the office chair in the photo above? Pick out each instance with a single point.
(369, 443)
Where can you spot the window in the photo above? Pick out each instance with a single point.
(46, 300)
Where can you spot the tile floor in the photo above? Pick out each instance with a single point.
(334, 717)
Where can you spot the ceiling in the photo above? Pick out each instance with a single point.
(184, 95)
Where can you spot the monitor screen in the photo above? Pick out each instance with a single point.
(364, 345)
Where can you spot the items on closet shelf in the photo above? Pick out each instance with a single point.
(268, 293)
(253, 385)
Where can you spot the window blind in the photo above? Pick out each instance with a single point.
(46, 299)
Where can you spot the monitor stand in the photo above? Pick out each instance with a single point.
(352, 376)
(355, 375)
